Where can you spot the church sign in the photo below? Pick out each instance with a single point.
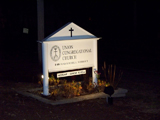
(67, 55)
(68, 48)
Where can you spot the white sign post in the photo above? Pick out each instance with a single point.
(69, 48)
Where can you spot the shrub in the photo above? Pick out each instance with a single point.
(111, 78)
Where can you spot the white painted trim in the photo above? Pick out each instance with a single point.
(95, 68)
(45, 69)
(73, 39)
(66, 69)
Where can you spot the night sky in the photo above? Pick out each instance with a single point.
(129, 30)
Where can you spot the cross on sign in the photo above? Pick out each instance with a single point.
(71, 31)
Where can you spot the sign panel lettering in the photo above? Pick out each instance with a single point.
(66, 74)
(70, 55)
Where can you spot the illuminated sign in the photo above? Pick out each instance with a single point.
(67, 55)
(68, 48)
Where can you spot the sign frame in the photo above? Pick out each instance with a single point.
(81, 35)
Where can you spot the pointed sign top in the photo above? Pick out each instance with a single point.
(69, 31)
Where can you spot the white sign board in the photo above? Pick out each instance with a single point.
(67, 55)
(66, 74)
(68, 48)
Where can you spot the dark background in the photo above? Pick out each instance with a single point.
(129, 30)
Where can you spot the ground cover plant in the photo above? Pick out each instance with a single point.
(61, 88)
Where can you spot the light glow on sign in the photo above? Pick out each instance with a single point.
(69, 55)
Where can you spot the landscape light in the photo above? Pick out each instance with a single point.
(42, 76)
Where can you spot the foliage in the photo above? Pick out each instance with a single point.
(90, 87)
(97, 74)
(52, 81)
(71, 89)
(67, 90)
(64, 89)
(111, 78)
